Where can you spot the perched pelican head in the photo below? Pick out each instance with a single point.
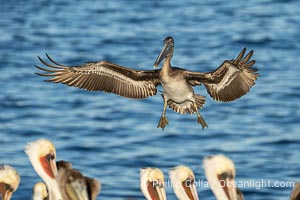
(167, 51)
(183, 179)
(73, 185)
(152, 184)
(39, 191)
(42, 155)
(9, 181)
(220, 173)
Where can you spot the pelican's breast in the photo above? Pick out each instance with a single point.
(177, 89)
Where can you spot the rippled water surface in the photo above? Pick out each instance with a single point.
(109, 137)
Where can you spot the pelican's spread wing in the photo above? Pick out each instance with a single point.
(230, 81)
(104, 76)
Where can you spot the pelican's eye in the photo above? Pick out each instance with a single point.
(158, 184)
(226, 175)
(8, 188)
(50, 157)
(189, 182)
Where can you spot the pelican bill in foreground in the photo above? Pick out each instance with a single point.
(152, 183)
(220, 173)
(231, 80)
(9, 181)
(183, 179)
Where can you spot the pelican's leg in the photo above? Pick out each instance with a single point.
(163, 122)
(200, 118)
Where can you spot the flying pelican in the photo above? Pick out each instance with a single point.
(75, 186)
(230, 81)
(152, 184)
(40, 192)
(295, 195)
(42, 155)
(9, 181)
(183, 178)
(220, 173)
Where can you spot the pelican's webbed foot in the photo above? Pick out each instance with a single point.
(163, 122)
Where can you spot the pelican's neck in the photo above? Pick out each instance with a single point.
(53, 188)
(167, 65)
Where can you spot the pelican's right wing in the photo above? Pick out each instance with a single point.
(104, 76)
(230, 81)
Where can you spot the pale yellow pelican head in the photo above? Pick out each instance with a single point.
(220, 173)
(40, 191)
(152, 184)
(183, 179)
(42, 155)
(9, 181)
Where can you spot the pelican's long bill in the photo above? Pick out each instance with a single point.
(166, 50)
(152, 184)
(220, 173)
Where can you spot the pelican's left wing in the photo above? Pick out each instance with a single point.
(230, 81)
(104, 76)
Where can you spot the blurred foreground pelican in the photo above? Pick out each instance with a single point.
(40, 191)
(220, 173)
(183, 179)
(63, 182)
(152, 184)
(9, 181)
(230, 81)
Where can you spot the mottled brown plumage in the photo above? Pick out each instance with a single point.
(230, 81)
(74, 185)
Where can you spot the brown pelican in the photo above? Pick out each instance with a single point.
(75, 186)
(220, 173)
(230, 81)
(9, 181)
(40, 192)
(183, 179)
(152, 184)
(295, 195)
(42, 155)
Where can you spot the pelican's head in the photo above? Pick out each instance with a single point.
(40, 191)
(152, 184)
(73, 185)
(42, 155)
(9, 181)
(220, 173)
(183, 178)
(166, 52)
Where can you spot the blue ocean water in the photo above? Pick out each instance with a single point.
(109, 137)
